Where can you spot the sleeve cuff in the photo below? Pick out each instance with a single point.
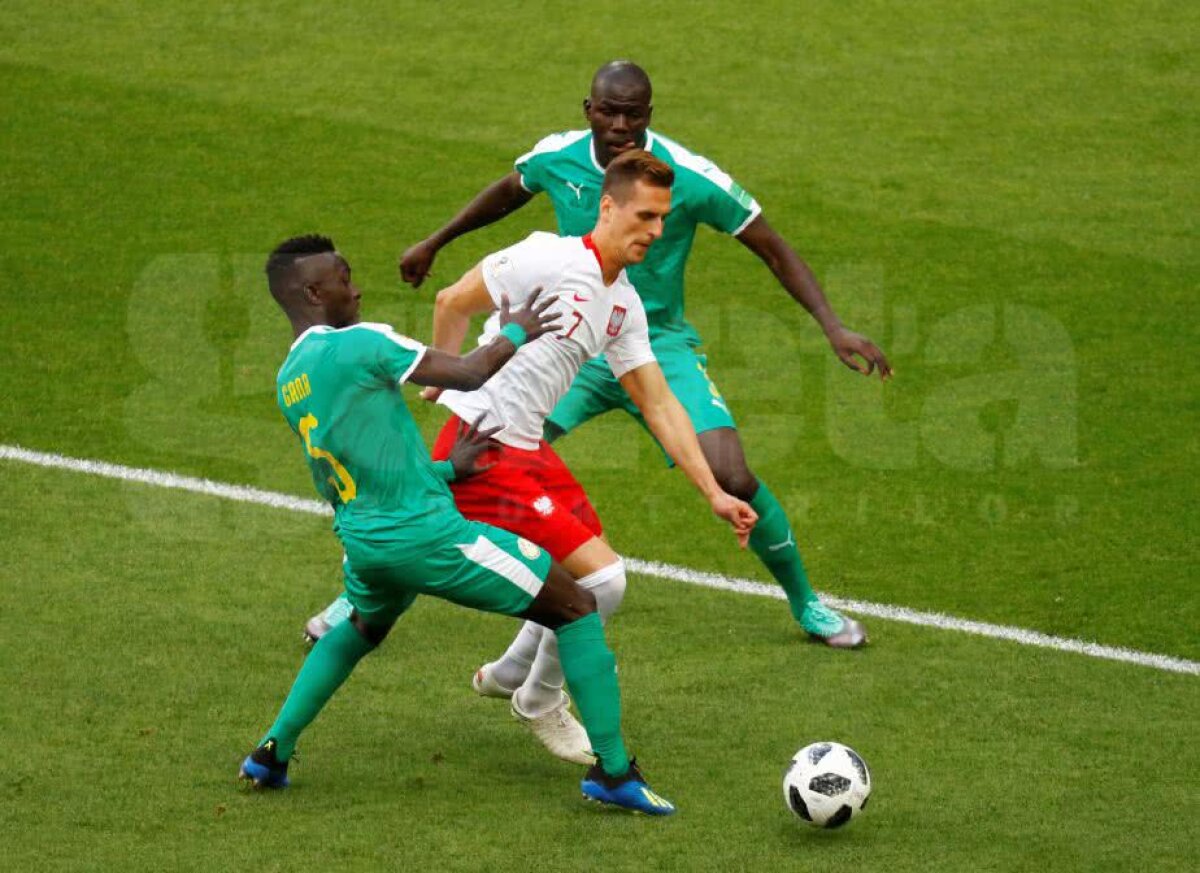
(444, 469)
(493, 287)
(420, 356)
(755, 212)
(629, 367)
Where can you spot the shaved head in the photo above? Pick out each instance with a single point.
(624, 77)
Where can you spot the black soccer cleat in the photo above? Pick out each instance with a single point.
(263, 770)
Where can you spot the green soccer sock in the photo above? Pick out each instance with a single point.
(325, 669)
(773, 542)
(591, 673)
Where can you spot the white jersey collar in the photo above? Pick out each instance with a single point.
(302, 336)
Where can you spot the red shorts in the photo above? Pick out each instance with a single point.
(530, 493)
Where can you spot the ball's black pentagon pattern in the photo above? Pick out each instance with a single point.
(839, 818)
(829, 784)
(796, 802)
(860, 765)
(826, 790)
(817, 752)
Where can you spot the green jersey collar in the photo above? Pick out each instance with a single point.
(649, 146)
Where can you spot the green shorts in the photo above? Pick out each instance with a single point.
(596, 391)
(462, 561)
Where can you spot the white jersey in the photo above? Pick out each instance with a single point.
(594, 319)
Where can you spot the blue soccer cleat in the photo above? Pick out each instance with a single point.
(628, 792)
(263, 769)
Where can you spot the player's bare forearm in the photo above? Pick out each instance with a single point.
(798, 280)
(439, 369)
(491, 204)
(669, 422)
(497, 200)
(791, 271)
(468, 373)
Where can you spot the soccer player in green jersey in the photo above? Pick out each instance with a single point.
(339, 389)
(569, 168)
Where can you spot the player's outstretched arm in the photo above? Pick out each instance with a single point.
(442, 370)
(491, 204)
(796, 277)
(669, 422)
(453, 309)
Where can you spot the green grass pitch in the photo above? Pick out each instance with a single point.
(1003, 195)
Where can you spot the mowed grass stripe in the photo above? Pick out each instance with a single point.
(888, 612)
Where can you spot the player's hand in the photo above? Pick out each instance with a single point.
(469, 443)
(416, 262)
(533, 317)
(430, 394)
(847, 344)
(739, 515)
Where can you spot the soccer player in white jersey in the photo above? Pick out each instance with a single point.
(524, 484)
(568, 168)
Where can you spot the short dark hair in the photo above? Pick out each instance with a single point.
(635, 166)
(284, 255)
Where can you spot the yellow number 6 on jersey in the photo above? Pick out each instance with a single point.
(341, 479)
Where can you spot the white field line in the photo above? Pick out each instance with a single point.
(245, 494)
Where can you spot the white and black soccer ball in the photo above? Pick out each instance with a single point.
(827, 784)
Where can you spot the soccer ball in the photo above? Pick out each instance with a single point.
(827, 784)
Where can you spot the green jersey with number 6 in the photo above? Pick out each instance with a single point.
(564, 166)
(339, 389)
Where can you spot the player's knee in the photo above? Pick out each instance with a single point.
(608, 587)
(613, 594)
(737, 480)
(372, 633)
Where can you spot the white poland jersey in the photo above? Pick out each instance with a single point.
(594, 319)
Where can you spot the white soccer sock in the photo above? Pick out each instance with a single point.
(513, 666)
(542, 689)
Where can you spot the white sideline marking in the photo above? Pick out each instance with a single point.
(925, 619)
(245, 494)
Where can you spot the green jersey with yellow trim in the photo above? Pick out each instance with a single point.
(564, 166)
(339, 389)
